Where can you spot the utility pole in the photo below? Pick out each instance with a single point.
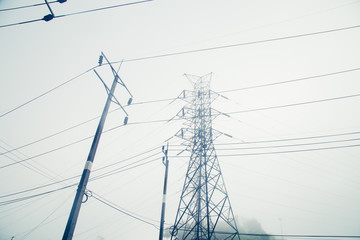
(71, 223)
(165, 161)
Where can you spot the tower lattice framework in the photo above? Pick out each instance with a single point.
(204, 210)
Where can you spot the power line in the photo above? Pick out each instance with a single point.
(47, 152)
(286, 235)
(289, 151)
(172, 119)
(172, 99)
(103, 8)
(75, 13)
(45, 93)
(239, 44)
(122, 168)
(166, 120)
(288, 145)
(112, 205)
(148, 151)
(26, 6)
(42, 186)
(30, 167)
(42, 222)
(292, 80)
(293, 139)
(154, 101)
(21, 23)
(95, 170)
(156, 121)
(33, 196)
(7, 202)
(83, 139)
(129, 158)
(119, 170)
(90, 120)
(168, 99)
(49, 136)
(295, 104)
(299, 235)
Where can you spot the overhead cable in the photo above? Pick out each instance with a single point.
(286, 235)
(75, 13)
(173, 119)
(294, 104)
(95, 170)
(292, 139)
(112, 205)
(45, 93)
(282, 152)
(299, 235)
(160, 100)
(7, 202)
(132, 157)
(26, 6)
(292, 80)
(279, 146)
(240, 44)
(33, 196)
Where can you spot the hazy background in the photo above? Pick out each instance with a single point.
(307, 192)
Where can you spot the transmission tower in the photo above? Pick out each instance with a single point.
(204, 210)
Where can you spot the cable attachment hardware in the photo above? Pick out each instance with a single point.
(88, 194)
(50, 16)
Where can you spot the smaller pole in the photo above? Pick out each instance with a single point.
(166, 163)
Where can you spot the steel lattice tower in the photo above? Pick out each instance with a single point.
(204, 210)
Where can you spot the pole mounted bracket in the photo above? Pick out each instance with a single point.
(165, 151)
(118, 80)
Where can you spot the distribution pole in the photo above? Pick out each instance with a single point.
(166, 163)
(71, 223)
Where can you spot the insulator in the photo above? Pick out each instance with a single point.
(130, 101)
(126, 120)
(184, 94)
(183, 112)
(227, 135)
(162, 149)
(100, 60)
(61, 1)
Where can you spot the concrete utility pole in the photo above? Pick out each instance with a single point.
(166, 163)
(70, 226)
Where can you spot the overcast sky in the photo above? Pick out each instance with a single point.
(297, 186)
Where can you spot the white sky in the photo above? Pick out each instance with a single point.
(313, 192)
